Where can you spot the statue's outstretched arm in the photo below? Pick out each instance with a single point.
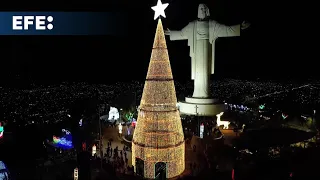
(245, 25)
(178, 35)
(221, 30)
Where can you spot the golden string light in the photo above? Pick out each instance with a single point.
(158, 136)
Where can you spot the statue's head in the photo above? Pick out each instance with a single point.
(203, 11)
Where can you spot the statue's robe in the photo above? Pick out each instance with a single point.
(215, 30)
(201, 36)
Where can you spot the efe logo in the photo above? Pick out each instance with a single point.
(39, 22)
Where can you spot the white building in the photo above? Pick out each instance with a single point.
(113, 114)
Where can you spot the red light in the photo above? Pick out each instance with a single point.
(232, 174)
(133, 124)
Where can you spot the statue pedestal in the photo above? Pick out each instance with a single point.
(201, 106)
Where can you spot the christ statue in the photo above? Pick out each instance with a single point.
(201, 35)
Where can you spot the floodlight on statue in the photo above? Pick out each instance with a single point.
(224, 123)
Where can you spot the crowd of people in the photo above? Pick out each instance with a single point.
(118, 158)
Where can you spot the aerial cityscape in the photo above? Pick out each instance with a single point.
(149, 117)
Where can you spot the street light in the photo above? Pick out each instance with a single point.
(120, 115)
(94, 150)
(120, 129)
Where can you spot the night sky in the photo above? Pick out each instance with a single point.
(262, 51)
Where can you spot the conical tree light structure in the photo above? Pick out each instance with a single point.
(158, 136)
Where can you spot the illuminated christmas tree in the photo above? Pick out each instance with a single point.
(158, 137)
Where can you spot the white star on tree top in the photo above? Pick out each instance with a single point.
(159, 9)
